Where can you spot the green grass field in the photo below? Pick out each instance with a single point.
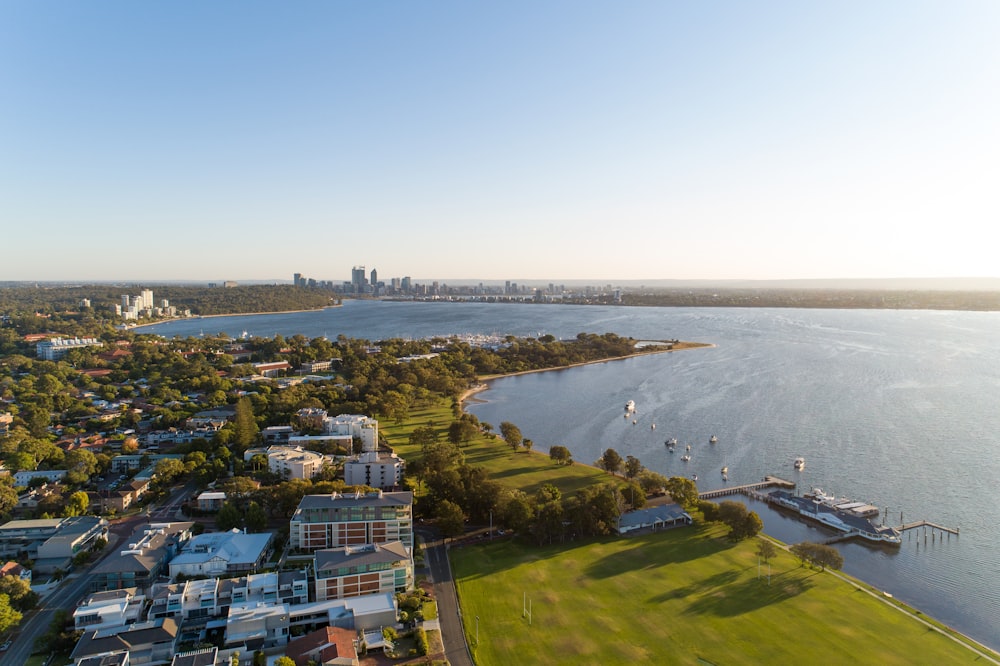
(684, 596)
(525, 470)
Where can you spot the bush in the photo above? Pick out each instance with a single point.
(420, 636)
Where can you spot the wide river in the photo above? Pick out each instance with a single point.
(896, 408)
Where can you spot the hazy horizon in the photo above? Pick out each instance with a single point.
(601, 141)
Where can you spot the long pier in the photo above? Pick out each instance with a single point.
(768, 482)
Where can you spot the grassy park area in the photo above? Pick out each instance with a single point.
(525, 470)
(683, 596)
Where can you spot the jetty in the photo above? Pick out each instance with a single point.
(926, 523)
(748, 488)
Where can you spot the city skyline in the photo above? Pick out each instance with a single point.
(555, 142)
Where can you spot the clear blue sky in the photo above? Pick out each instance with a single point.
(503, 140)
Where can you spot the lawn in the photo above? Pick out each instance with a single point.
(525, 470)
(684, 596)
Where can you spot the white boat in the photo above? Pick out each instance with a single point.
(685, 457)
(713, 439)
(630, 406)
(652, 427)
(688, 447)
(800, 463)
(725, 470)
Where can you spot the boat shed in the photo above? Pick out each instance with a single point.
(654, 517)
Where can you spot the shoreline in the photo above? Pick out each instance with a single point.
(977, 647)
(483, 383)
(232, 314)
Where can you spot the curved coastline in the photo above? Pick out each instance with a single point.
(231, 314)
(980, 649)
(483, 384)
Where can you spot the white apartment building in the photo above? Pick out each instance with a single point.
(374, 470)
(55, 349)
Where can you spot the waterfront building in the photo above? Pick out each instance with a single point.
(374, 469)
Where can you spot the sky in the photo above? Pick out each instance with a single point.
(499, 140)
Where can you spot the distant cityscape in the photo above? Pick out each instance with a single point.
(367, 283)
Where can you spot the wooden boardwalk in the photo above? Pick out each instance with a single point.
(768, 482)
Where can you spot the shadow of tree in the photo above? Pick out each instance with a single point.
(724, 598)
(657, 549)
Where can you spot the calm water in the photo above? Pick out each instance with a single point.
(898, 408)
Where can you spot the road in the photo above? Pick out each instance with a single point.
(452, 635)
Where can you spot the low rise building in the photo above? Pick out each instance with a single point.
(144, 558)
(330, 646)
(210, 501)
(222, 553)
(50, 542)
(147, 644)
(115, 608)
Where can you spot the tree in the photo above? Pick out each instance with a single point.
(633, 494)
(80, 465)
(77, 504)
(423, 436)
(19, 592)
(244, 424)
(461, 431)
(766, 549)
(284, 661)
(169, 469)
(511, 434)
(742, 522)
(610, 461)
(8, 499)
(256, 519)
(652, 482)
(229, 517)
(682, 490)
(561, 455)
(632, 467)
(9, 616)
(818, 554)
(527, 443)
(450, 519)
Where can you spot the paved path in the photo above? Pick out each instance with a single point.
(449, 615)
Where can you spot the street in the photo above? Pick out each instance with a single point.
(452, 635)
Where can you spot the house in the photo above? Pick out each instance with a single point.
(211, 501)
(147, 644)
(222, 553)
(372, 611)
(203, 657)
(332, 521)
(122, 499)
(654, 517)
(329, 646)
(15, 569)
(352, 571)
(257, 623)
(114, 608)
(144, 558)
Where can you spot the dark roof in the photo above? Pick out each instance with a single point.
(92, 643)
(355, 556)
(372, 499)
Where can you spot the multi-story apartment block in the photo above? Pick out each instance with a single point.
(353, 571)
(55, 349)
(333, 521)
(375, 470)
